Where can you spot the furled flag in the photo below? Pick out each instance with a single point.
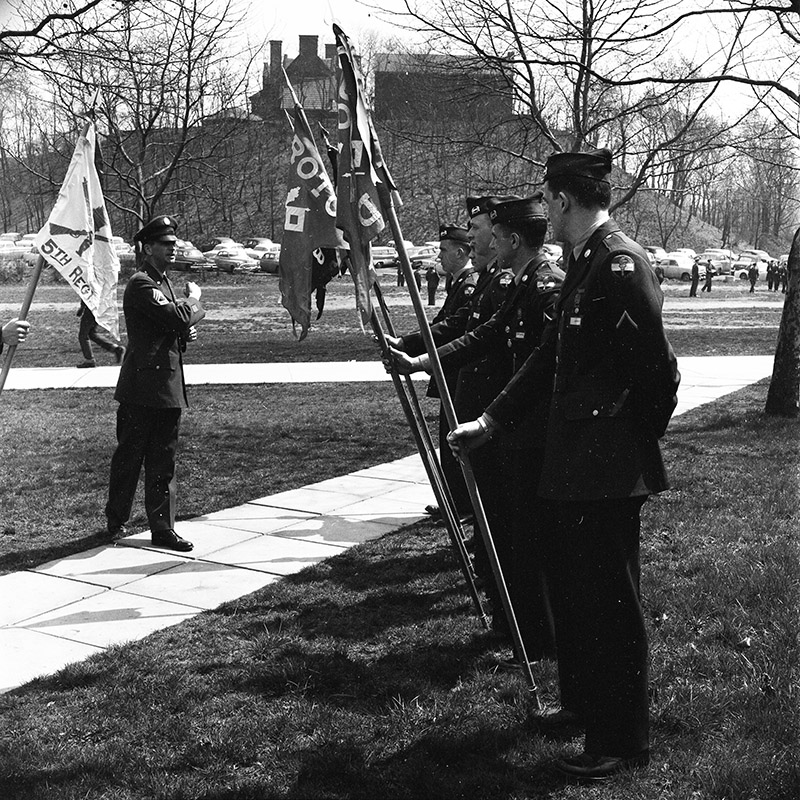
(358, 202)
(310, 236)
(76, 239)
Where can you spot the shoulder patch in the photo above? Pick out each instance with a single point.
(159, 297)
(622, 265)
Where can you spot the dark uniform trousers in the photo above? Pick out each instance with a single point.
(149, 437)
(592, 563)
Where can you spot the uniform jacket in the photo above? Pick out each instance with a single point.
(490, 353)
(448, 323)
(613, 374)
(157, 324)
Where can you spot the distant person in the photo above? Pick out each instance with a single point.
(695, 278)
(709, 277)
(432, 280)
(783, 277)
(14, 332)
(90, 331)
(659, 270)
(151, 390)
(771, 270)
(752, 274)
(401, 276)
(418, 278)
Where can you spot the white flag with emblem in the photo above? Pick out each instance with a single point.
(76, 239)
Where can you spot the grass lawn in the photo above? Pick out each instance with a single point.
(368, 675)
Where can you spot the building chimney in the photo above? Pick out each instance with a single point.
(330, 51)
(309, 45)
(275, 59)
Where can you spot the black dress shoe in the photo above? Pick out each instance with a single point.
(115, 530)
(171, 541)
(433, 511)
(590, 768)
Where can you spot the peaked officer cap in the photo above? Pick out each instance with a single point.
(595, 165)
(483, 205)
(454, 232)
(519, 210)
(158, 229)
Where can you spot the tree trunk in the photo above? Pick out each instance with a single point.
(784, 388)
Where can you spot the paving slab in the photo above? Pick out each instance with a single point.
(253, 518)
(205, 537)
(336, 530)
(29, 654)
(27, 594)
(277, 555)
(110, 567)
(112, 617)
(202, 584)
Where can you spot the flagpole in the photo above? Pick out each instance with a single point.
(452, 421)
(368, 185)
(23, 314)
(438, 485)
(419, 429)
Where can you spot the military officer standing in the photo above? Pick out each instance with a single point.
(507, 468)
(449, 322)
(614, 381)
(151, 390)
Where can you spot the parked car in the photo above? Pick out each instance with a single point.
(687, 251)
(10, 236)
(384, 256)
(655, 252)
(256, 246)
(10, 249)
(761, 255)
(216, 243)
(233, 259)
(721, 260)
(270, 260)
(424, 257)
(678, 265)
(188, 257)
(741, 267)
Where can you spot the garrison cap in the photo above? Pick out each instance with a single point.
(595, 165)
(519, 209)
(483, 205)
(454, 232)
(158, 229)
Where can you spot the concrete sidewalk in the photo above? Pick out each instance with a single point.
(68, 609)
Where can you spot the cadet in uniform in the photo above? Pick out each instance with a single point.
(151, 391)
(508, 467)
(614, 380)
(454, 251)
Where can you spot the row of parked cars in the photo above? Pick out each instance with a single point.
(678, 264)
(222, 253)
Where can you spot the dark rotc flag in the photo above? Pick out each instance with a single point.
(360, 169)
(310, 236)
